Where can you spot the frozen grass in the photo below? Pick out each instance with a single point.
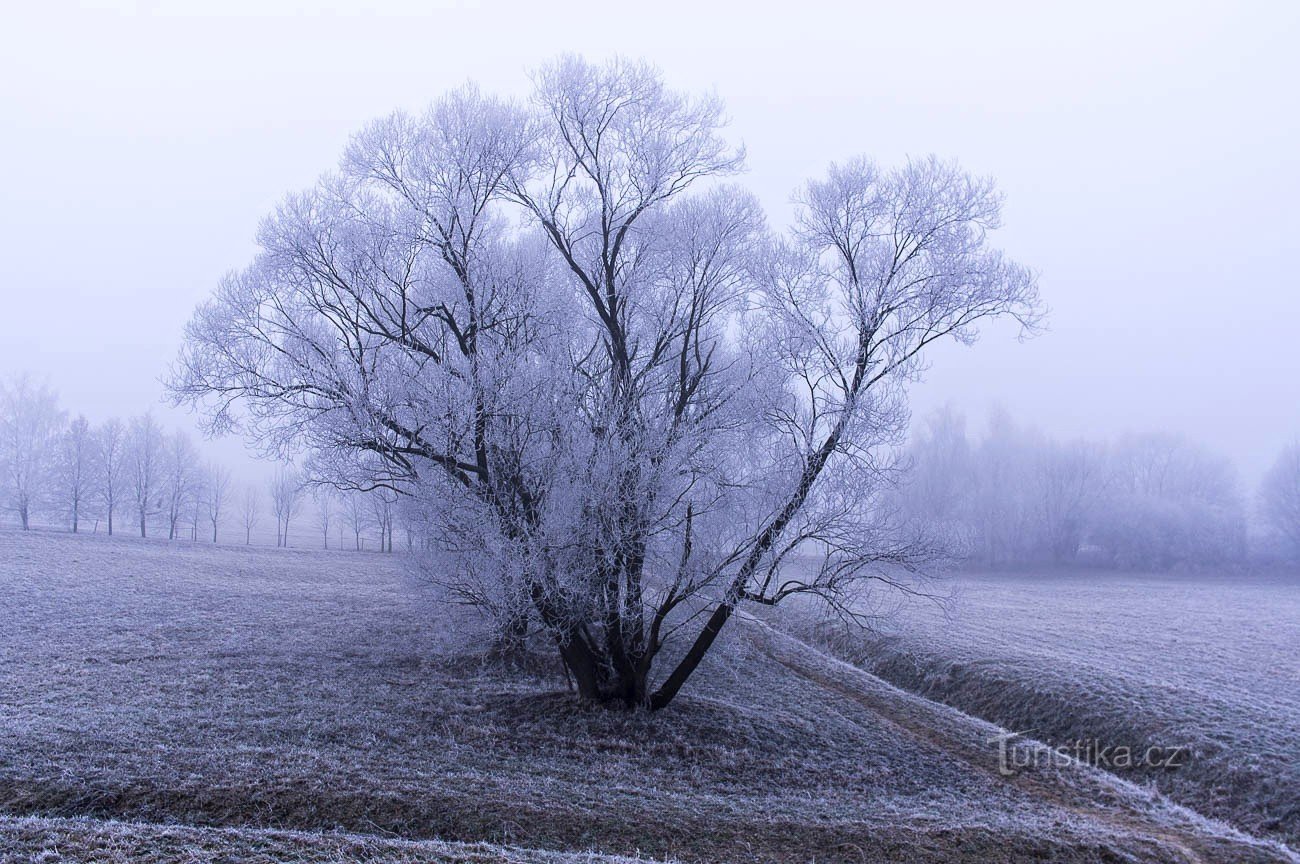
(269, 690)
(1212, 664)
(34, 840)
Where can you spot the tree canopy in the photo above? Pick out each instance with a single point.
(621, 405)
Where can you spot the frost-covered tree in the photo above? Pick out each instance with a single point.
(249, 511)
(621, 407)
(111, 462)
(1068, 480)
(286, 499)
(1279, 498)
(145, 467)
(1002, 506)
(355, 516)
(383, 504)
(181, 481)
(939, 488)
(216, 492)
(1153, 501)
(1169, 503)
(324, 497)
(198, 507)
(30, 425)
(76, 469)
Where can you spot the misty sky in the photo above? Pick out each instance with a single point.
(1150, 153)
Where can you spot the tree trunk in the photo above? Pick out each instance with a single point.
(601, 677)
(22, 514)
(693, 656)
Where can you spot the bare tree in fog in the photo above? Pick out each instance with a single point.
(286, 497)
(1279, 497)
(383, 503)
(1152, 502)
(1169, 503)
(1001, 507)
(182, 480)
(76, 469)
(198, 507)
(216, 491)
(355, 516)
(324, 497)
(940, 479)
(1070, 477)
(111, 462)
(592, 367)
(30, 421)
(145, 467)
(249, 510)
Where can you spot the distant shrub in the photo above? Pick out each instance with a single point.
(1148, 532)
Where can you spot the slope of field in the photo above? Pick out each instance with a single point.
(178, 691)
(1211, 664)
(35, 840)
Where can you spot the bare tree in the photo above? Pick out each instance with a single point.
(382, 504)
(30, 422)
(940, 485)
(76, 469)
(249, 509)
(1279, 497)
(145, 467)
(111, 461)
(632, 410)
(198, 507)
(215, 494)
(180, 461)
(1169, 503)
(355, 516)
(324, 496)
(1069, 481)
(286, 497)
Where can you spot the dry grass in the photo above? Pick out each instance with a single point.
(34, 840)
(266, 690)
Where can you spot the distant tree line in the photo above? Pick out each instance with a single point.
(133, 476)
(1017, 497)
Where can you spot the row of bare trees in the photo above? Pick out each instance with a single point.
(1014, 496)
(353, 517)
(357, 517)
(66, 471)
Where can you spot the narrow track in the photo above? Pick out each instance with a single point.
(935, 726)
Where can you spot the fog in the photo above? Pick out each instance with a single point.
(788, 432)
(1147, 153)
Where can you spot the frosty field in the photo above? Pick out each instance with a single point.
(176, 701)
(1211, 664)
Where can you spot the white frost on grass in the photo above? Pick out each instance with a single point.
(318, 691)
(1187, 660)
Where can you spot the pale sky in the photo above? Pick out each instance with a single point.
(1150, 154)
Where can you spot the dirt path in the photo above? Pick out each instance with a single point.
(1180, 835)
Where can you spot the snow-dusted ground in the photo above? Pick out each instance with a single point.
(175, 689)
(1207, 662)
